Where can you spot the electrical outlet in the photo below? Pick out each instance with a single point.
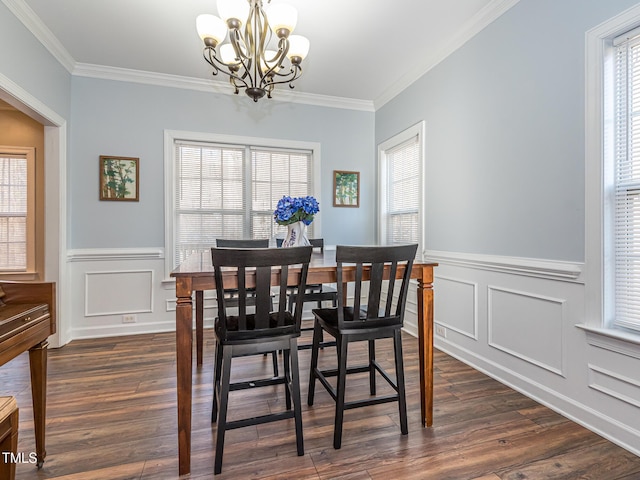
(441, 331)
(131, 318)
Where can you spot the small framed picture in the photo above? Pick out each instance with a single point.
(346, 189)
(119, 178)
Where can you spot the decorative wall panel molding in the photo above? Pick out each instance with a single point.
(550, 269)
(457, 305)
(615, 385)
(118, 292)
(527, 326)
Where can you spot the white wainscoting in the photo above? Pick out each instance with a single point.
(519, 321)
(107, 284)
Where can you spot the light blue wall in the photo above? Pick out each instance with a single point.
(504, 137)
(505, 133)
(128, 119)
(28, 64)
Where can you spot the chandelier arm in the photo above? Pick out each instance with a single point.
(276, 61)
(253, 68)
(239, 44)
(209, 54)
(283, 49)
(262, 25)
(293, 74)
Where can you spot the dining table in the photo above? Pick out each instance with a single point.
(195, 275)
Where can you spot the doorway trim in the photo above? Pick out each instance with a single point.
(55, 154)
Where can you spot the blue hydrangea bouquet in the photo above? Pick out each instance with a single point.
(296, 209)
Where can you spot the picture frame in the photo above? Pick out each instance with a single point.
(119, 178)
(346, 188)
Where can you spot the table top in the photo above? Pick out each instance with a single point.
(199, 263)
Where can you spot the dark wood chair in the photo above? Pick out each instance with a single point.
(316, 293)
(232, 293)
(353, 322)
(264, 331)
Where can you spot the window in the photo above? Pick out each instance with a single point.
(624, 184)
(17, 205)
(612, 178)
(401, 203)
(228, 187)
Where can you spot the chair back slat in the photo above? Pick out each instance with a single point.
(262, 295)
(256, 267)
(393, 271)
(377, 266)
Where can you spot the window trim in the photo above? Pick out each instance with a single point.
(415, 130)
(171, 136)
(598, 151)
(29, 153)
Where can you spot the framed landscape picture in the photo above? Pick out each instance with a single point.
(119, 178)
(346, 188)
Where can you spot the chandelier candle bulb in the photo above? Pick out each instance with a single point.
(233, 9)
(298, 48)
(210, 26)
(282, 19)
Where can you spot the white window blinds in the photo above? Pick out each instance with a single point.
(16, 217)
(626, 185)
(403, 177)
(230, 191)
(401, 188)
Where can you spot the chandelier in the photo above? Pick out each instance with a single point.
(255, 56)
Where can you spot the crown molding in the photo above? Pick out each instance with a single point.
(190, 83)
(476, 24)
(29, 19)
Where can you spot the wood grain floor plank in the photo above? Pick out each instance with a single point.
(112, 415)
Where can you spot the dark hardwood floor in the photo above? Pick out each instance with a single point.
(112, 415)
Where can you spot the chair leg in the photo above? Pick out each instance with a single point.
(216, 381)
(340, 390)
(317, 333)
(402, 400)
(295, 392)
(274, 359)
(287, 378)
(372, 369)
(224, 401)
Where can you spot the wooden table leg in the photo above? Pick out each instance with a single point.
(425, 348)
(184, 357)
(38, 367)
(199, 326)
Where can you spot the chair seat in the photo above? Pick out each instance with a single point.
(232, 333)
(329, 317)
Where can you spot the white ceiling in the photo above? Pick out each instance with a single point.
(364, 50)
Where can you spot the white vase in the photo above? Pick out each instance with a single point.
(296, 235)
